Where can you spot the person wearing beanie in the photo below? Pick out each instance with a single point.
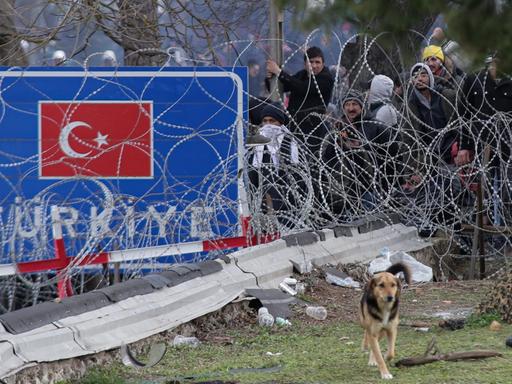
(273, 114)
(269, 162)
(350, 159)
(434, 57)
(352, 107)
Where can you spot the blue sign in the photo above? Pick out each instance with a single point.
(128, 157)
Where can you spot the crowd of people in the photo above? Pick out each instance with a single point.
(417, 141)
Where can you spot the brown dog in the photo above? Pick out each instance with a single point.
(379, 314)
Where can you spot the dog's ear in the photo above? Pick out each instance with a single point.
(398, 286)
(371, 284)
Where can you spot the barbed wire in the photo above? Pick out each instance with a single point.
(311, 192)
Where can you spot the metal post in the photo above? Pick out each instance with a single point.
(276, 46)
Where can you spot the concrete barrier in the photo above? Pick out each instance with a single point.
(163, 302)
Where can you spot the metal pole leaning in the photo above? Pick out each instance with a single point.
(276, 45)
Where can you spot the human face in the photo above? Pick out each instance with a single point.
(434, 63)
(421, 80)
(314, 65)
(270, 120)
(352, 109)
(254, 70)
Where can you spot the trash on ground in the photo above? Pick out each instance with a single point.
(282, 322)
(318, 313)
(290, 281)
(287, 289)
(274, 353)
(156, 353)
(452, 324)
(265, 319)
(300, 288)
(422, 329)
(347, 282)
(508, 342)
(420, 272)
(180, 340)
(340, 278)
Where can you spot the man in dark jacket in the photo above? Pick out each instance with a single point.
(431, 144)
(310, 92)
(486, 97)
(429, 111)
(488, 111)
(351, 162)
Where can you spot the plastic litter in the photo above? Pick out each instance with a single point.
(290, 281)
(300, 288)
(265, 319)
(180, 340)
(156, 353)
(420, 272)
(342, 282)
(318, 313)
(282, 322)
(286, 288)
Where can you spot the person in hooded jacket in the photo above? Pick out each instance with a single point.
(429, 111)
(432, 143)
(382, 112)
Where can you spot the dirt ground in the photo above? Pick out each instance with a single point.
(423, 304)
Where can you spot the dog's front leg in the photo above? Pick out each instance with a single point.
(373, 341)
(391, 336)
(364, 344)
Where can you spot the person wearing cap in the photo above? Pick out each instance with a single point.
(269, 163)
(435, 58)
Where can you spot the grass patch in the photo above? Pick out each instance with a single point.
(323, 353)
(478, 320)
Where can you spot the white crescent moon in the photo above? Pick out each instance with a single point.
(64, 139)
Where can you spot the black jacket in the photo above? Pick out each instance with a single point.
(425, 125)
(304, 95)
(483, 97)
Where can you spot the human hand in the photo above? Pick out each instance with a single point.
(463, 157)
(272, 68)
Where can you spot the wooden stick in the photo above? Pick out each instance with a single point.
(454, 356)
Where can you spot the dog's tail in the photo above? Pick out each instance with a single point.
(401, 267)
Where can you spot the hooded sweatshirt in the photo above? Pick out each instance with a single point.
(379, 101)
(431, 111)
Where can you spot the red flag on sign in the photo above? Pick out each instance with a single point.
(111, 139)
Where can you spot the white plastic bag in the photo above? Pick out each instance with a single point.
(420, 272)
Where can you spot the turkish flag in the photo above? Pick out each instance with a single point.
(105, 139)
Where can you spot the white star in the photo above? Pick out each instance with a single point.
(101, 139)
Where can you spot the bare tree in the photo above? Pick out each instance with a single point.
(11, 51)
